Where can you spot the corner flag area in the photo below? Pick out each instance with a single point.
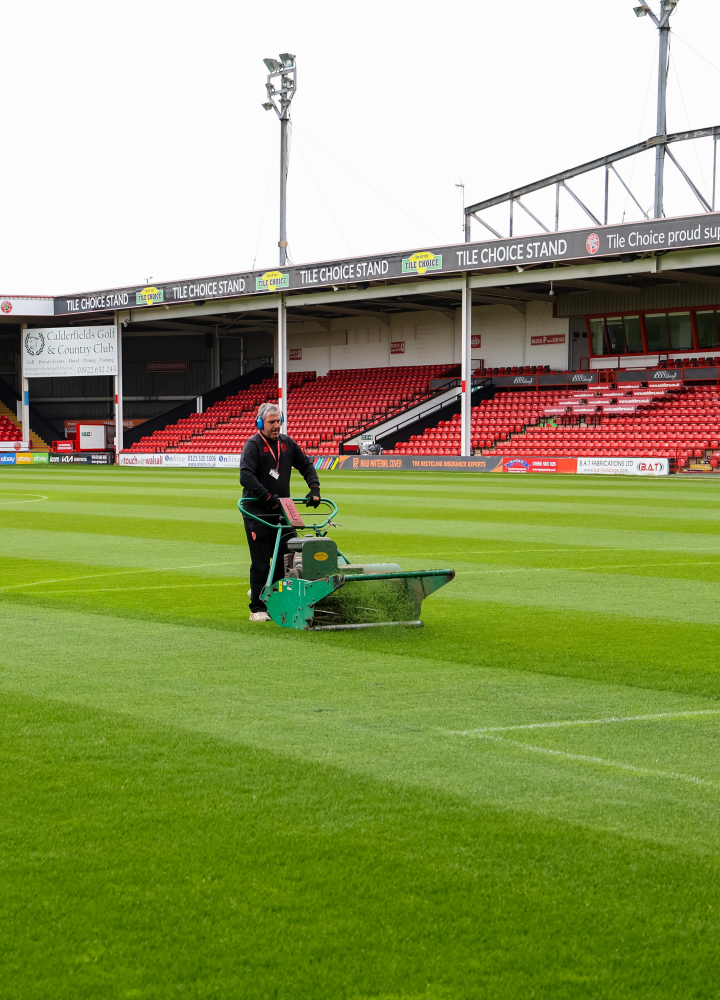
(520, 799)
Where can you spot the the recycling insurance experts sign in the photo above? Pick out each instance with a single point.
(548, 248)
(70, 350)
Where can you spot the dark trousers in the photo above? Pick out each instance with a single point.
(261, 541)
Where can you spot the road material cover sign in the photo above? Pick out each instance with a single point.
(70, 351)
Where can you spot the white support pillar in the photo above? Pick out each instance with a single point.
(24, 389)
(119, 390)
(466, 370)
(216, 360)
(282, 360)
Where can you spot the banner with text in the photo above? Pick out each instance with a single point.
(575, 245)
(67, 351)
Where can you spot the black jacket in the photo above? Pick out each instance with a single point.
(259, 457)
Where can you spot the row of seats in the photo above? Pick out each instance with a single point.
(492, 420)
(688, 363)
(321, 411)
(523, 370)
(226, 421)
(332, 408)
(8, 430)
(685, 425)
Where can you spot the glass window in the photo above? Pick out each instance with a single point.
(614, 335)
(633, 337)
(597, 328)
(707, 328)
(680, 331)
(656, 327)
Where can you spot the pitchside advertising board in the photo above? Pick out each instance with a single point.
(576, 245)
(70, 351)
(420, 463)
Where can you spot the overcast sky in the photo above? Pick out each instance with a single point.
(135, 144)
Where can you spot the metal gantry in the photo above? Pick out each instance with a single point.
(660, 142)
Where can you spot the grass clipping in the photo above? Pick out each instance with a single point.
(368, 602)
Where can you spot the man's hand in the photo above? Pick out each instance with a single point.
(313, 497)
(272, 502)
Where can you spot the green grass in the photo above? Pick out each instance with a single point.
(521, 799)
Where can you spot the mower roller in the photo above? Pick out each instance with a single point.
(322, 591)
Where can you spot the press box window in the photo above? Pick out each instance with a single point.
(658, 335)
(616, 335)
(707, 328)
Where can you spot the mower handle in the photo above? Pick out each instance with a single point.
(303, 500)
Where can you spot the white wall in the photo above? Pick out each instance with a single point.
(430, 338)
(539, 322)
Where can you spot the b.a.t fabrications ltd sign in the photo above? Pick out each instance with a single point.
(548, 248)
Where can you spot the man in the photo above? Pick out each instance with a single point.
(267, 460)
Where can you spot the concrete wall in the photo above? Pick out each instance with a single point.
(430, 338)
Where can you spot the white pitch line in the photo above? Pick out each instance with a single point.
(605, 763)
(585, 722)
(38, 498)
(123, 572)
(113, 590)
(580, 569)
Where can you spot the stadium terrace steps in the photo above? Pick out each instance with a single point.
(322, 411)
(682, 425)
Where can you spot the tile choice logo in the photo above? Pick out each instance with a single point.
(271, 281)
(149, 296)
(422, 262)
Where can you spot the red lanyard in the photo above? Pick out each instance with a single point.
(275, 457)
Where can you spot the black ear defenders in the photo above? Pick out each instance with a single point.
(260, 423)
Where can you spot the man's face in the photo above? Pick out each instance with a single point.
(271, 426)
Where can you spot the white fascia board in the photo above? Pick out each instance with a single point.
(26, 305)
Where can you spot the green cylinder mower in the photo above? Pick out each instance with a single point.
(322, 590)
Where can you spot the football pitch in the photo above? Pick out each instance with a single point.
(520, 800)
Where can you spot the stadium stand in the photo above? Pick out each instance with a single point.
(345, 401)
(222, 426)
(10, 430)
(681, 424)
(323, 411)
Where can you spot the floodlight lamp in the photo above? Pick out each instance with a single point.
(273, 65)
(668, 5)
(641, 11)
(268, 106)
(287, 82)
(287, 59)
(285, 102)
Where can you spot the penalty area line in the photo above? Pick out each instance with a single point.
(582, 758)
(584, 722)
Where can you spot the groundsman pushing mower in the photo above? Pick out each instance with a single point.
(323, 591)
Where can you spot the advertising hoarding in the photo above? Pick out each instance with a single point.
(413, 463)
(575, 245)
(69, 351)
(623, 466)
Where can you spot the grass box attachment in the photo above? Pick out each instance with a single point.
(321, 590)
